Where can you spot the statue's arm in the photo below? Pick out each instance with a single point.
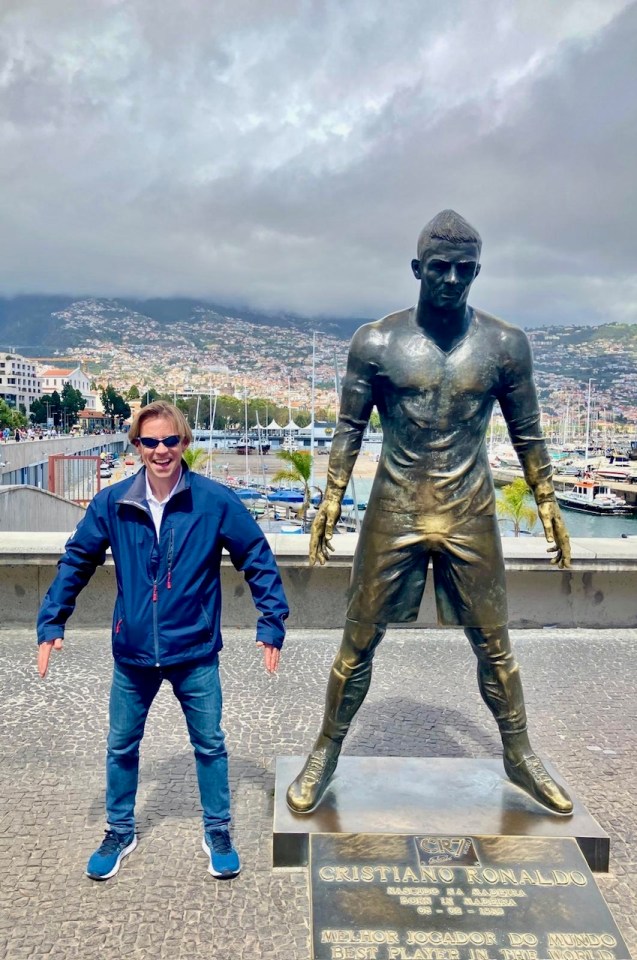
(355, 409)
(356, 405)
(518, 400)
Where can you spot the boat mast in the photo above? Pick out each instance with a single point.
(289, 415)
(212, 410)
(588, 423)
(208, 464)
(312, 411)
(245, 402)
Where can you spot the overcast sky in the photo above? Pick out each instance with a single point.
(286, 153)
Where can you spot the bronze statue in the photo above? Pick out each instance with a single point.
(434, 372)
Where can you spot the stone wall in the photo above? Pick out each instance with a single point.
(24, 508)
(600, 591)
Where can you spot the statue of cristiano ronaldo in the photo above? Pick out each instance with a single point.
(434, 372)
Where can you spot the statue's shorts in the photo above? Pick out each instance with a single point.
(391, 561)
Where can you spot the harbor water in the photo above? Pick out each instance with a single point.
(578, 524)
(259, 471)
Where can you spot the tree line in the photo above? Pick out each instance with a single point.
(229, 412)
(63, 409)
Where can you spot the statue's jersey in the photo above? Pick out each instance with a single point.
(435, 408)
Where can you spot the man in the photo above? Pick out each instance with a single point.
(166, 528)
(434, 372)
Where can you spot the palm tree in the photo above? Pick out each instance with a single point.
(298, 470)
(195, 457)
(515, 507)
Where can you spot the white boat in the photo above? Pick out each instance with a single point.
(590, 496)
(570, 468)
(503, 455)
(617, 473)
(602, 468)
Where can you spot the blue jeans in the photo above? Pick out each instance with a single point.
(198, 689)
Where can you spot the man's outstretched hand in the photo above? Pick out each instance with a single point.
(44, 654)
(271, 656)
(326, 518)
(555, 532)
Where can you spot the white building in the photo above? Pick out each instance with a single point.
(19, 383)
(54, 378)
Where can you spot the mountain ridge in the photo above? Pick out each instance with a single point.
(199, 344)
(33, 322)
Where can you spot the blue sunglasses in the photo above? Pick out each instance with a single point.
(151, 443)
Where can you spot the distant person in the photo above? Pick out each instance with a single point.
(434, 372)
(18, 436)
(166, 528)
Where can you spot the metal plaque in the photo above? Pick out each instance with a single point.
(382, 897)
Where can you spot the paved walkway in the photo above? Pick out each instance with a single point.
(580, 691)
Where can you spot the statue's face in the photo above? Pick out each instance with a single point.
(446, 273)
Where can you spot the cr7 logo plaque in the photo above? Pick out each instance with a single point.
(458, 851)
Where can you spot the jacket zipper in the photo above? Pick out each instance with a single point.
(155, 599)
(155, 624)
(156, 593)
(171, 544)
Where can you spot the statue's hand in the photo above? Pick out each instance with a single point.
(555, 532)
(326, 518)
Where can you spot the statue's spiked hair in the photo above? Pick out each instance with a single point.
(447, 225)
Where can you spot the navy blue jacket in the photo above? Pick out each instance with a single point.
(168, 607)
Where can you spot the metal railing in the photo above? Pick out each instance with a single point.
(75, 478)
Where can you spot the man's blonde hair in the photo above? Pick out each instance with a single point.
(160, 408)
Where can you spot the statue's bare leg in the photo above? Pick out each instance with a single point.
(347, 687)
(501, 689)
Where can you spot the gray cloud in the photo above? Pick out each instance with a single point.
(286, 153)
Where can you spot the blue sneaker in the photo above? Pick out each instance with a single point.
(224, 859)
(104, 863)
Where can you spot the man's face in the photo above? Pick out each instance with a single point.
(163, 462)
(446, 272)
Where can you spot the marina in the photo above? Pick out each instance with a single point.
(281, 508)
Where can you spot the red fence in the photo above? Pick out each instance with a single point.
(74, 478)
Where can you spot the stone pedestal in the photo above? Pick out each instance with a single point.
(425, 795)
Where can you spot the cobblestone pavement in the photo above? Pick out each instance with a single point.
(163, 903)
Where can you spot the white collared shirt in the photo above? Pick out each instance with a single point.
(157, 506)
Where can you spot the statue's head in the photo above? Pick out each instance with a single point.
(450, 226)
(448, 260)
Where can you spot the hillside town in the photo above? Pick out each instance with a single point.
(115, 346)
